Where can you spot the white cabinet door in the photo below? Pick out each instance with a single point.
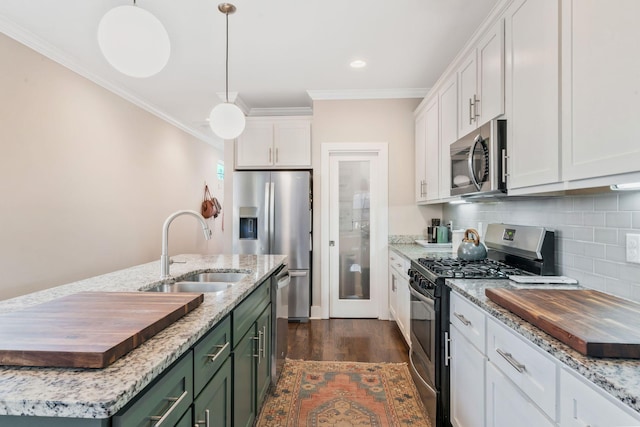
(448, 131)
(581, 405)
(254, 147)
(507, 406)
(404, 309)
(601, 88)
(433, 150)
(467, 88)
(274, 142)
(292, 144)
(491, 74)
(421, 157)
(467, 382)
(532, 42)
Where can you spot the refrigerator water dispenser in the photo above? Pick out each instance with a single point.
(248, 223)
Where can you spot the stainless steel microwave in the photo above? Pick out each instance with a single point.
(478, 161)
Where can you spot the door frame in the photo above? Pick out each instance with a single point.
(379, 245)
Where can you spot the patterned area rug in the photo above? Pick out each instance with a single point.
(342, 394)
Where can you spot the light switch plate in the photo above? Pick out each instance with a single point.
(633, 248)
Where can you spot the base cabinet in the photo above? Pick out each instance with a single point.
(467, 382)
(507, 406)
(399, 296)
(213, 406)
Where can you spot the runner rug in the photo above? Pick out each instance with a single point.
(342, 394)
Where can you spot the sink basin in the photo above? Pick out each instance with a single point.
(216, 276)
(192, 287)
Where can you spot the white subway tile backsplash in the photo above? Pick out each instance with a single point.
(618, 219)
(606, 202)
(605, 235)
(590, 234)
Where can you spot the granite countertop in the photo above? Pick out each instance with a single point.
(619, 377)
(100, 393)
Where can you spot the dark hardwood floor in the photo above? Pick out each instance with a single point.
(354, 340)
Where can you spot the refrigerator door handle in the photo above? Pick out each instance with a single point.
(272, 216)
(267, 216)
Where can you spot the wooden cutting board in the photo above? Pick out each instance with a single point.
(591, 322)
(88, 329)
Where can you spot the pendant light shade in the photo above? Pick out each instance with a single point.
(227, 120)
(134, 41)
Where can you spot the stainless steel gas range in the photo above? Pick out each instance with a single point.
(512, 250)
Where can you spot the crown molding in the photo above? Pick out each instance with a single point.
(283, 111)
(39, 45)
(324, 95)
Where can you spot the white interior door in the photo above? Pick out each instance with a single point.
(357, 199)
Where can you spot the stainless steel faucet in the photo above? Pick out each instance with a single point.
(164, 259)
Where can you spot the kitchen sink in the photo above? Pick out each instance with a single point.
(216, 276)
(192, 287)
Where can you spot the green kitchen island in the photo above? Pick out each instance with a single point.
(182, 376)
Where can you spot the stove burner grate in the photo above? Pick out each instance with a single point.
(483, 269)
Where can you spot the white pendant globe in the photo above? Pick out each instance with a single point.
(134, 41)
(227, 120)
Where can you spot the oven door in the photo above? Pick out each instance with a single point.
(423, 338)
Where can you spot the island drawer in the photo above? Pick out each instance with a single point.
(245, 314)
(210, 353)
(163, 402)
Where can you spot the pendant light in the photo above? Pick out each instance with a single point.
(134, 41)
(227, 120)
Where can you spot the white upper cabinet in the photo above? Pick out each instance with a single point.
(601, 96)
(274, 142)
(427, 135)
(448, 131)
(532, 44)
(481, 81)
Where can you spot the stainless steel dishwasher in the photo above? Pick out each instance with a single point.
(280, 321)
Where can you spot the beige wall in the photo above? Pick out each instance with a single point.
(87, 178)
(390, 121)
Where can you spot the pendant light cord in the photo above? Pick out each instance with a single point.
(227, 61)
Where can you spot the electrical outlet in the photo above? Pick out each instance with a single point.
(633, 248)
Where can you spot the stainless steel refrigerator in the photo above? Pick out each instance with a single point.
(272, 215)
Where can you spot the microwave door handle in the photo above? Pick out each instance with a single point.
(472, 172)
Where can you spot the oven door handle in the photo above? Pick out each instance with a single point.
(421, 297)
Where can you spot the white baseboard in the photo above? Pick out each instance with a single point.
(316, 312)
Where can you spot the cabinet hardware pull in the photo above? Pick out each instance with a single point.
(470, 114)
(504, 166)
(220, 348)
(513, 362)
(476, 101)
(464, 320)
(205, 421)
(175, 402)
(264, 342)
(259, 339)
(447, 343)
(269, 155)
(276, 155)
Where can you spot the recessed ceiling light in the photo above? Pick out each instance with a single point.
(358, 63)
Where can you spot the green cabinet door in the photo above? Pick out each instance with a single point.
(212, 408)
(185, 421)
(244, 379)
(264, 360)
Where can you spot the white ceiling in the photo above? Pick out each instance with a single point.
(279, 49)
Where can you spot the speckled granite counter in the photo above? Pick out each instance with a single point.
(413, 251)
(100, 393)
(620, 377)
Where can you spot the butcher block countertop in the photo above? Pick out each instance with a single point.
(100, 393)
(619, 377)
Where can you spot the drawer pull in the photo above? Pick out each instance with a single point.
(464, 320)
(513, 362)
(205, 421)
(259, 339)
(221, 349)
(175, 401)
